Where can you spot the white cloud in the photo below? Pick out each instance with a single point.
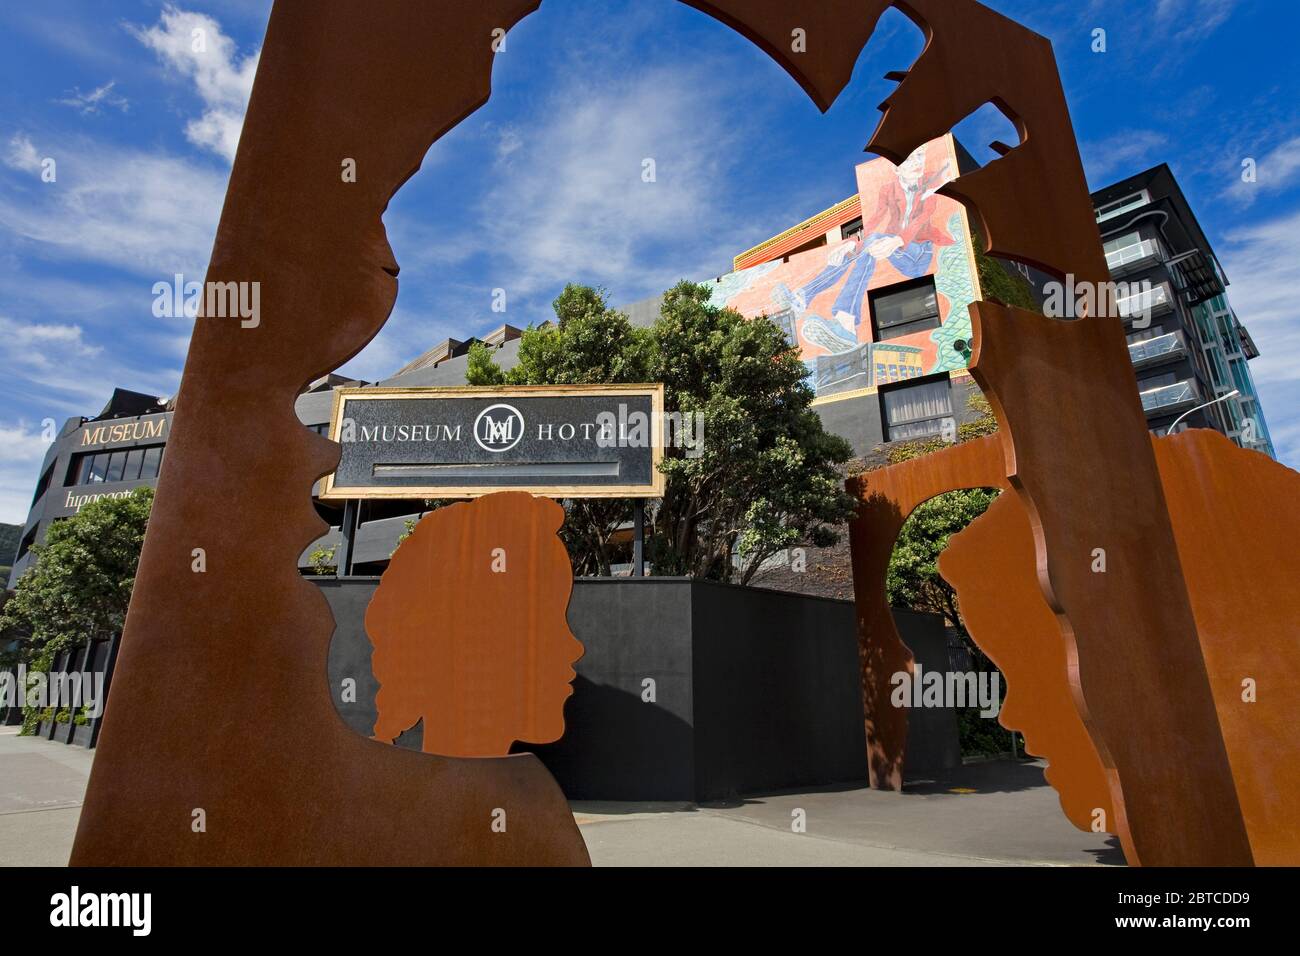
(54, 369)
(22, 449)
(151, 214)
(22, 154)
(1120, 155)
(90, 103)
(1262, 261)
(1275, 170)
(193, 45)
(1191, 19)
(572, 202)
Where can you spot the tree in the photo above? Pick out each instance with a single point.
(913, 579)
(80, 585)
(764, 477)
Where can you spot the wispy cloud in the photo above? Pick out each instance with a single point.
(70, 373)
(1121, 154)
(24, 448)
(193, 45)
(1274, 171)
(610, 186)
(90, 103)
(148, 213)
(1263, 264)
(22, 154)
(1182, 21)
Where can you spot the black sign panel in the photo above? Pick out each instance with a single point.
(563, 441)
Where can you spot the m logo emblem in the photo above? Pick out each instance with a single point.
(498, 428)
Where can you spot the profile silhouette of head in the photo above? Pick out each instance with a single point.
(470, 631)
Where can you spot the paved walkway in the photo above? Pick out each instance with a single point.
(999, 813)
(41, 786)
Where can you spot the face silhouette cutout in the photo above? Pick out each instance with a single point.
(470, 631)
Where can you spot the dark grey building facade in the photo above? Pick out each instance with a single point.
(1186, 343)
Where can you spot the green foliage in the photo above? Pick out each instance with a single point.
(10, 534)
(913, 580)
(480, 368)
(323, 561)
(80, 584)
(999, 285)
(981, 736)
(765, 475)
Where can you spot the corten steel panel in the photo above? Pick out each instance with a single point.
(1238, 554)
(470, 630)
(220, 701)
(1086, 474)
(991, 566)
(342, 81)
(885, 499)
(1088, 481)
(1237, 524)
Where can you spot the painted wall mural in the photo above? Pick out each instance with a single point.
(821, 298)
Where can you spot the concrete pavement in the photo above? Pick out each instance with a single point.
(992, 814)
(1000, 813)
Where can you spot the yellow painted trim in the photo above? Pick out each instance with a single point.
(811, 221)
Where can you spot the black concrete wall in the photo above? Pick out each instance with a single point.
(753, 690)
(933, 744)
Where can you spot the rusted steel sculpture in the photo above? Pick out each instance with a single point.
(1088, 481)
(992, 567)
(469, 628)
(1237, 524)
(220, 744)
(255, 744)
(885, 499)
(1238, 555)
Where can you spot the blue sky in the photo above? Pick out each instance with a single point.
(543, 185)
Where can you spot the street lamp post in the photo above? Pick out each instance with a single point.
(1221, 398)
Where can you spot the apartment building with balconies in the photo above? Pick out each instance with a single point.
(1187, 345)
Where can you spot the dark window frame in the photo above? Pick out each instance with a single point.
(892, 387)
(889, 333)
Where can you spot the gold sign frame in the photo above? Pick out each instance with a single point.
(653, 489)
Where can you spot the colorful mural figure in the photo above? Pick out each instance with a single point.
(820, 298)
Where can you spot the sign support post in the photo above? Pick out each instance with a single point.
(638, 538)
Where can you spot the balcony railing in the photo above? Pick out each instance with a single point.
(1171, 343)
(1144, 303)
(1167, 396)
(1122, 260)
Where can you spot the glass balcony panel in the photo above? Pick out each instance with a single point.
(1168, 395)
(1170, 343)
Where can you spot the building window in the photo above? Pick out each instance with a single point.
(918, 410)
(131, 470)
(1157, 381)
(116, 465)
(851, 228)
(152, 464)
(900, 311)
(25, 545)
(127, 464)
(43, 484)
